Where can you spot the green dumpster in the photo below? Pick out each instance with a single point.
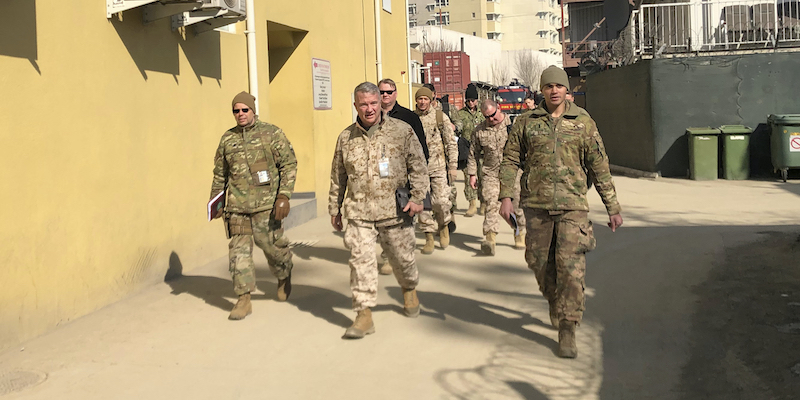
(785, 142)
(703, 157)
(735, 151)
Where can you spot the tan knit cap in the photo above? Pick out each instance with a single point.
(554, 74)
(423, 91)
(246, 99)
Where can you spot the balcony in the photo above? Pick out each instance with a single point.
(732, 25)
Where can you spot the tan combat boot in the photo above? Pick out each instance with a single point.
(487, 246)
(385, 269)
(361, 327)
(284, 288)
(473, 208)
(567, 348)
(444, 237)
(482, 209)
(242, 308)
(428, 248)
(519, 241)
(410, 303)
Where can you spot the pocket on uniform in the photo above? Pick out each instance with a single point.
(586, 240)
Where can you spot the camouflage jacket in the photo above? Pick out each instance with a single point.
(489, 141)
(242, 156)
(441, 157)
(552, 154)
(467, 121)
(357, 189)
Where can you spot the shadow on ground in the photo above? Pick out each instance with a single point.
(745, 340)
(441, 305)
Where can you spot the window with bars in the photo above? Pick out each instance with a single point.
(442, 3)
(412, 9)
(412, 23)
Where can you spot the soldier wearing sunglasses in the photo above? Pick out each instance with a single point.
(256, 167)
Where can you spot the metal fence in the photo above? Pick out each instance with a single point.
(712, 25)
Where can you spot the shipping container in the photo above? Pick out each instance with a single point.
(449, 73)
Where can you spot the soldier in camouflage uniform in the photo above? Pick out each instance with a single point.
(466, 120)
(442, 167)
(489, 139)
(552, 144)
(256, 167)
(373, 158)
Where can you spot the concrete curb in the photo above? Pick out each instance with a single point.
(633, 173)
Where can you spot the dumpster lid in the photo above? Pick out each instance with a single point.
(702, 131)
(735, 129)
(784, 119)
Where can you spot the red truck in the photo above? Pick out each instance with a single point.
(512, 99)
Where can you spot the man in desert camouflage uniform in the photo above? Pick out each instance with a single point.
(256, 167)
(442, 167)
(373, 158)
(552, 144)
(489, 139)
(466, 120)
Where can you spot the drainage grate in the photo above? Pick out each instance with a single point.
(14, 381)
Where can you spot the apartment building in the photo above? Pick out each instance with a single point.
(516, 24)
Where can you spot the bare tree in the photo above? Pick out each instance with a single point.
(529, 67)
(500, 73)
(436, 46)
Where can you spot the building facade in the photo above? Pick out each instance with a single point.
(111, 126)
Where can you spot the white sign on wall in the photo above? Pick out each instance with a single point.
(323, 89)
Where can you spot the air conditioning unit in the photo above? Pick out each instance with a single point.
(165, 8)
(117, 6)
(212, 14)
(233, 6)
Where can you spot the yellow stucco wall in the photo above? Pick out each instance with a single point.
(109, 130)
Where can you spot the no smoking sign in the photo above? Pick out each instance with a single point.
(794, 143)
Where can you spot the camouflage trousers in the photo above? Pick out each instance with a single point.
(441, 193)
(397, 241)
(267, 235)
(469, 192)
(555, 249)
(491, 192)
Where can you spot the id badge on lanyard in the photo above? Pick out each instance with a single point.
(383, 164)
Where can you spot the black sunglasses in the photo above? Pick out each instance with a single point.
(387, 91)
(244, 110)
(493, 114)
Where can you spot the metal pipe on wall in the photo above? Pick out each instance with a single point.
(408, 60)
(252, 61)
(378, 62)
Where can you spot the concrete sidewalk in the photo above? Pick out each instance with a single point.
(483, 334)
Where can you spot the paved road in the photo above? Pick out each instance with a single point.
(696, 297)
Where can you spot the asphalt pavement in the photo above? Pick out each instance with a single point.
(696, 296)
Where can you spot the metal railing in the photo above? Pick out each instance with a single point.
(715, 25)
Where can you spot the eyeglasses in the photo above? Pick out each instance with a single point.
(493, 114)
(387, 91)
(244, 110)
